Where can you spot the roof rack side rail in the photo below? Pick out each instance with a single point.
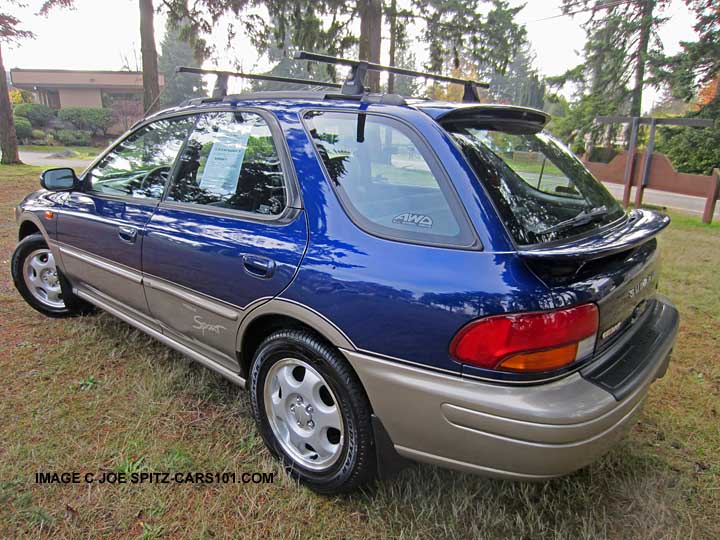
(354, 84)
(221, 83)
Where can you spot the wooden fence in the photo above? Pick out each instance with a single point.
(661, 176)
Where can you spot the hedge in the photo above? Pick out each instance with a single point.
(39, 115)
(23, 127)
(74, 137)
(92, 119)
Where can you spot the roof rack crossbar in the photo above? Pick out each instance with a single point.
(355, 81)
(221, 83)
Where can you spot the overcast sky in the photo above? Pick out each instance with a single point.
(99, 34)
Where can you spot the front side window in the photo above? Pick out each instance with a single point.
(384, 179)
(230, 161)
(139, 165)
(542, 192)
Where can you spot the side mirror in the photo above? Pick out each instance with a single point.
(61, 179)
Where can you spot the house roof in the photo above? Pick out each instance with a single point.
(64, 78)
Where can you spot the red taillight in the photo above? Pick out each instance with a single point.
(528, 342)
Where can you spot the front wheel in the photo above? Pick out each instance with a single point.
(39, 281)
(312, 412)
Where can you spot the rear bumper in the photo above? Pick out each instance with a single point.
(520, 432)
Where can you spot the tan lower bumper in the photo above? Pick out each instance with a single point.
(518, 432)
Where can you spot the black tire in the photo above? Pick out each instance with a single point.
(74, 306)
(356, 464)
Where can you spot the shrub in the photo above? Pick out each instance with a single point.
(38, 135)
(690, 150)
(23, 128)
(88, 118)
(74, 137)
(39, 115)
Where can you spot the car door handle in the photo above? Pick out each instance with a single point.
(258, 266)
(127, 234)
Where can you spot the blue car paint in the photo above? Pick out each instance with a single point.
(205, 252)
(91, 223)
(393, 298)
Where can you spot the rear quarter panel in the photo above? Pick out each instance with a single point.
(397, 299)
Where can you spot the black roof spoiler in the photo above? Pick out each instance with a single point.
(505, 117)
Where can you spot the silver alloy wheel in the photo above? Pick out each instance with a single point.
(41, 278)
(304, 414)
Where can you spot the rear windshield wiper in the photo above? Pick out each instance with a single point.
(583, 218)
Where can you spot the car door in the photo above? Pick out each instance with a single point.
(229, 235)
(100, 230)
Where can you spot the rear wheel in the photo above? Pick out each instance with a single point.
(39, 281)
(312, 412)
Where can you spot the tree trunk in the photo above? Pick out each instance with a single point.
(393, 44)
(371, 37)
(151, 82)
(8, 139)
(646, 23)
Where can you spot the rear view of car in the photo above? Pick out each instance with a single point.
(544, 391)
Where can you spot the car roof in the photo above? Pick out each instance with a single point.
(441, 111)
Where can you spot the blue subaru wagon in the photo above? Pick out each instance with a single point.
(391, 278)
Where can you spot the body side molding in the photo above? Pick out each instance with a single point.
(204, 360)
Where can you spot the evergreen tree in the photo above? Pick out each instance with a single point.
(698, 64)
(175, 52)
(521, 84)
(465, 31)
(621, 39)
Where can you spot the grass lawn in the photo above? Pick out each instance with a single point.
(93, 394)
(83, 152)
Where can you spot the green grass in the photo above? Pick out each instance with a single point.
(82, 152)
(22, 172)
(149, 409)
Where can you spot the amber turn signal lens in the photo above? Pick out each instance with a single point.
(541, 360)
(49, 215)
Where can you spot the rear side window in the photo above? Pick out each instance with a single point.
(384, 179)
(230, 161)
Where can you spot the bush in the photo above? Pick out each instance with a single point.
(23, 128)
(38, 135)
(691, 150)
(38, 115)
(74, 137)
(602, 154)
(88, 118)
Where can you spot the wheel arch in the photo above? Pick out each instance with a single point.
(281, 314)
(31, 224)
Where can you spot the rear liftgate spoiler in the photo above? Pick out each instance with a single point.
(640, 227)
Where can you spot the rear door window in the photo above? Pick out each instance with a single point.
(230, 162)
(386, 180)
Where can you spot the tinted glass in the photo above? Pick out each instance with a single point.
(139, 166)
(541, 190)
(230, 161)
(383, 178)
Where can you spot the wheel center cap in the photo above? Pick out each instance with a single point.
(302, 415)
(50, 278)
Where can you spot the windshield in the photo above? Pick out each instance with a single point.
(541, 190)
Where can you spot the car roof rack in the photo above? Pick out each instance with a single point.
(355, 83)
(221, 83)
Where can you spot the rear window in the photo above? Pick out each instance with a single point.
(541, 190)
(386, 180)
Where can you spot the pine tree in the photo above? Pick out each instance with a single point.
(175, 52)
